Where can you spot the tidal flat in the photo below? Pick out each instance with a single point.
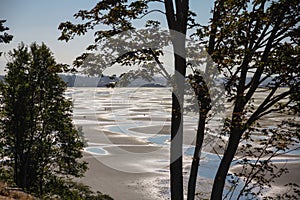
(128, 136)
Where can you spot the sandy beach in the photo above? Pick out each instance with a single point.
(129, 169)
(279, 184)
(128, 141)
(118, 184)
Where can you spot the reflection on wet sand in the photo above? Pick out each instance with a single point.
(128, 134)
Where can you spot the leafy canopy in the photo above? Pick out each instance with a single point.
(37, 133)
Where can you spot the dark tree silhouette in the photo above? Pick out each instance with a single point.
(37, 130)
(259, 41)
(119, 17)
(250, 43)
(5, 37)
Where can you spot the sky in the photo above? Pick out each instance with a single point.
(38, 20)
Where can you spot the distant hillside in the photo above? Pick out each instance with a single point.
(111, 81)
(106, 81)
(85, 81)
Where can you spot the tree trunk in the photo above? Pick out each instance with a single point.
(176, 175)
(219, 182)
(196, 158)
(177, 23)
(16, 169)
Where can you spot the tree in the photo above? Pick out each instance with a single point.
(204, 100)
(118, 16)
(37, 130)
(251, 43)
(5, 37)
(245, 39)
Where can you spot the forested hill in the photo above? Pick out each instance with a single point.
(110, 81)
(85, 81)
(106, 81)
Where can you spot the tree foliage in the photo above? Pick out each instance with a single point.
(251, 42)
(5, 37)
(118, 16)
(37, 133)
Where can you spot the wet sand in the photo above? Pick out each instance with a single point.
(279, 184)
(128, 144)
(129, 169)
(118, 184)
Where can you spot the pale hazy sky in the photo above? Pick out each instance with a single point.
(37, 20)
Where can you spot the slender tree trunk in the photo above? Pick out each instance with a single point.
(236, 131)
(177, 21)
(196, 158)
(219, 182)
(24, 173)
(16, 169)
(177, 130)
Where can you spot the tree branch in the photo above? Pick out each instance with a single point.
(268, 102)
(156, 10)
(256, 78)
